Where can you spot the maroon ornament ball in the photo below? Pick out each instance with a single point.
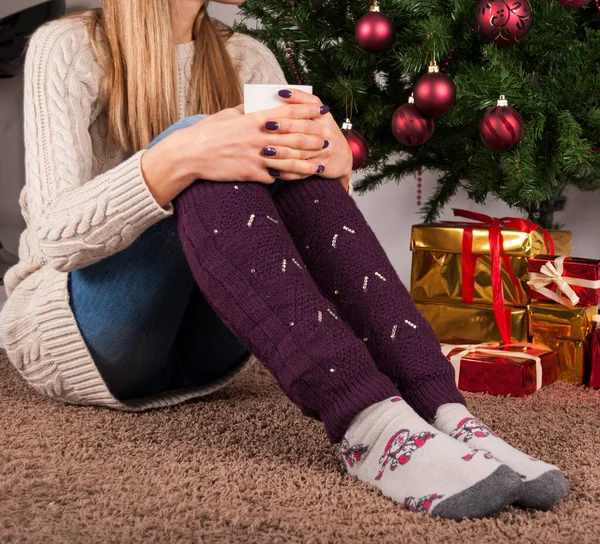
(573, 4)
(501, 128)
(358, 145)
(504, 22)
(434, 92)
(375, 32)
(410, 126)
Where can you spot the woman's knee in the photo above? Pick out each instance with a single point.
(182, 123)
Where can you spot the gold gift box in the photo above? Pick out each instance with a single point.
(563, 242)
(437, 262)
(436, 275)
(455, 322)
(550, 320)
(569, 357)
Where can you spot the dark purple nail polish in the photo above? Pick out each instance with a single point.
(272, 125)
(274, 173)
(269, 151)
(325, 144)
(324, 109)
(320, 168)
(285, 93)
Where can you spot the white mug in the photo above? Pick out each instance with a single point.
(259, 97)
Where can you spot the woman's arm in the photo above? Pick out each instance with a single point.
(77, 220)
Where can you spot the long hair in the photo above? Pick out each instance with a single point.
(133, 41)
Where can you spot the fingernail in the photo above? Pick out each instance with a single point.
(269, 151)
(325, 144)
(285, 93)
(320, 168)
(324, 109)
(274, 173)
(272, 125)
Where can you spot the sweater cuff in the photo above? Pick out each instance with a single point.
(100, 218)
(148, 201)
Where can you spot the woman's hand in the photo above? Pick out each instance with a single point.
(231, 146)
(337, 157)
(287, 142)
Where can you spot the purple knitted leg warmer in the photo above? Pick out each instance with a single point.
(350, 266)
(246, 264)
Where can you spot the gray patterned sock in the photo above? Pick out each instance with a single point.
(389, 446)
(543, 484)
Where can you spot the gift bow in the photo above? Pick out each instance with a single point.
(553, 273)
(456, 359)
(493, 225)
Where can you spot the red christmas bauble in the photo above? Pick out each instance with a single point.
(573, 4)
(410, 126)
(375, 32)
(504, 22)
(501, 127)
(434, 93)
(358, 145)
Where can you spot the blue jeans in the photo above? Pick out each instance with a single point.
(146, 324)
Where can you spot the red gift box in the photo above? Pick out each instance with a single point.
(591, 370)
(514, 370)
(567, 280)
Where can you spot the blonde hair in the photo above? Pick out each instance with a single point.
(134, 43)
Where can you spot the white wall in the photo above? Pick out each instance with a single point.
(391, 210)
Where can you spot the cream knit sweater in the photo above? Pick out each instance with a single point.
(83, 201)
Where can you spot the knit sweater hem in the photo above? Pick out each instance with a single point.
(62, 367)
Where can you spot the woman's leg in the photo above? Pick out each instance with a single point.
(205, 350)
(144, 321)
(246, 264)
(129, 307)
(351, 267)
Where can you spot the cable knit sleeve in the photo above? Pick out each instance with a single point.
(255, 62)
(78, 219)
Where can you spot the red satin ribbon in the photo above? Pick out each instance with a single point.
(469, 260)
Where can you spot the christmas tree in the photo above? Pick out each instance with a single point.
(550, 75)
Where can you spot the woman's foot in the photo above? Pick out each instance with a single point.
(544, 484)
(390, 446)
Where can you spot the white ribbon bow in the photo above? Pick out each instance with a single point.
(456, 359)
(553, 273)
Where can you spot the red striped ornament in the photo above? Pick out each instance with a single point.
(358, 145)
(410, 126)
(501, 128)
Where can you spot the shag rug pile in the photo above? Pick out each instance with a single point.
(243, 465)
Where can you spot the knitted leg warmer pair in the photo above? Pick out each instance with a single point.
(302, 281)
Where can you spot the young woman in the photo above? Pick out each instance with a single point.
(156, 259)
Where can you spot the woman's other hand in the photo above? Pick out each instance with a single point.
(260, 146)
(337, 156)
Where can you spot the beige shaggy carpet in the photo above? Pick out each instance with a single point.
(244, 465)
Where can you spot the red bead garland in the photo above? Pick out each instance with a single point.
(449, 58)
(419, 187)
(288, 49)
(290, 55)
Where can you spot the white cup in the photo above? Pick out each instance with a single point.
(259, 97)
